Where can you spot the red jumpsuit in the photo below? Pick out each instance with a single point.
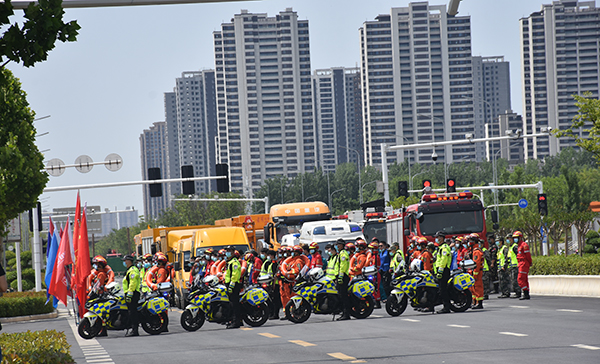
(256, 267)
(477, 289)
(524, 263)
(374, 261)
(316, 261)
(289, 269)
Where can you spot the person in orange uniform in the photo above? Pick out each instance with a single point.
(524, 263)
(427, 256)
(418, 248)
(158, 273)
(477, 256)
(290, 268)
(316, 260)
(374, 261)
(219, 267)
(359, 259)
(98, 277)
(351, 248)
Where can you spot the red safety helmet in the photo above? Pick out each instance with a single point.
(147, 256)
(474, 236)
(100, 260)
(298, 249)
(361, 244)
(422, 240)
(350, 246)
(160, 257)
(209, 251)
(373, 245)
(313, 245)
(518, 234)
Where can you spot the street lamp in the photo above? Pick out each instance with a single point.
(418, 174)
(486, 135)
(358, 163)
(331, 197)
(495, 170)
(308, 198)
(408, 161)
(445, 150)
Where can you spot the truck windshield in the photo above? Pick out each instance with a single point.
(284, 229)
(452, 222)
(375, 229)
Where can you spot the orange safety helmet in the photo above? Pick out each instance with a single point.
(422, 240)
(99, 259)
(459, 239)
(248, 256)
(297, 249)
(209, 251)
(373, 245)
(160, 257)
(517, 234)
(361, 244)
(350, 246)
(474, 236)
(222, 252)
(313, 245)
(147, 256)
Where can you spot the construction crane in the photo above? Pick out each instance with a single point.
(453, 7)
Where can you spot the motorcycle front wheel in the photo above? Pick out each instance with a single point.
(190, 323)
(155, 324)
(297, 315)
(256, 315)
(363, 307)
(395, 308)
(460, 301)
(87, 331)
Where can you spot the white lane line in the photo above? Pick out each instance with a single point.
(411, 320)
(567, 310)
(519, 306)
(460, 326)
(90, 348)
(512, 333)
(588, 347)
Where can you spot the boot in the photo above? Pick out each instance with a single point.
(377, 304)
(233, 325)
(525, 295)
(133, 332)
(444, 310)
(517, 295)
(478, 306)
(345, 316)
(103, 332)
(504, 296)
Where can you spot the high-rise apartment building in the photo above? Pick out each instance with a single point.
(191, 116)
(417, 82)
(338, 116)
(491, 96)
(560, 55)
(153, 152)
(511, 149)
(266, 124)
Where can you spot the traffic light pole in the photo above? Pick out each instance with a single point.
(130, 183)
(217, 198)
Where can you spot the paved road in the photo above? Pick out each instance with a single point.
(542, 330)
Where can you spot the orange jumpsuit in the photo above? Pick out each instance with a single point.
(477, 289)
(96, 276)
(427, 260)
(289, 269)
(357, 263)
(156, 275)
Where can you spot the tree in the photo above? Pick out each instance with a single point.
(21, 163)
(587, 120)
(43, 26)
(190, 213)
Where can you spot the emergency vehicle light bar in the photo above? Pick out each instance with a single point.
(340, 217)
(447, 197)
(372, 215)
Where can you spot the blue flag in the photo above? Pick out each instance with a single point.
(52, 250)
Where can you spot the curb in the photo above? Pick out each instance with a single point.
(564, 285)
(44, 316)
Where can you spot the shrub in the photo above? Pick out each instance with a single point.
(26, 285)
(11, 276)
(569, 265)
(591, 235)
(26, 257)
(24, 303)
(10, 255)
(589, 249)
(12, 263)
(29, 274)
(37, 347)
(595, 242)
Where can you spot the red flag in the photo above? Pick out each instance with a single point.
(60, 276)
(82, 264)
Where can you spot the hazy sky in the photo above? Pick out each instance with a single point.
(105, 89)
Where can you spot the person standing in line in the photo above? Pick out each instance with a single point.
(233, 281)
(131, 288)
(442, 267)
(514, 265)
(503, 271)
(524, 263)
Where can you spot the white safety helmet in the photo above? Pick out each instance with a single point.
(416, 265)
(316, 273)
(211, 280)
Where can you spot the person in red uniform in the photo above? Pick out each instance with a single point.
(461, 249)
(209, 253)
(524, 263)
(427, 256)
(477, 256)
(359, 259)
(158, 273)
(316, 260)
(373, 260)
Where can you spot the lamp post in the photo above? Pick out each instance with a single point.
(408, 161)
(486, 135)
(413, 177)
(358, 163)
(308, 198)
(331, 197)
(495, 170)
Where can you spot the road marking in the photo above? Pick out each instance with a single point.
(519, 306)
(246, 328)
(92, 350)
(341, 356)
(301, 343)
(378, 316)
(512, 333)
(567, 310)
(266, 334)
(589, 347)
(411, 320)
(459, 326)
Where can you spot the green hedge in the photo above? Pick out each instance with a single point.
(37, 347)
(569, 265)
(24, 304)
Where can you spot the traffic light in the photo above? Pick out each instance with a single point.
(155, 188)
(222, 183)
(188, 187)
(450, 185)
(426, 183)
(403, 188)
(542, 204)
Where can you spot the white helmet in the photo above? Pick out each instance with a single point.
(316, 274)
(113, 288)
(211, 280)
(416, 265)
